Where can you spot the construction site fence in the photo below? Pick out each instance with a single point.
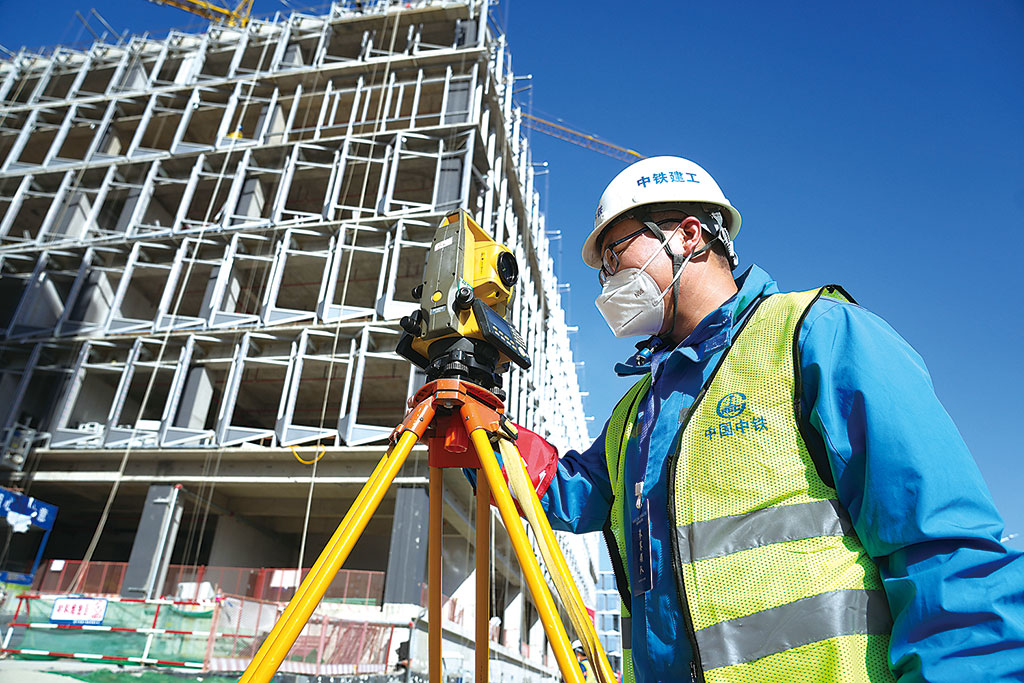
(219, 635)
(190, 582)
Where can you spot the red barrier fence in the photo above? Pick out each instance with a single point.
(275, 584)
(326, 645)
(219, 635)
(211, 618)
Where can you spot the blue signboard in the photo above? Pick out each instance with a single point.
(24, 514)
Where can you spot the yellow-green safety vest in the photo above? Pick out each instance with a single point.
(773, 581)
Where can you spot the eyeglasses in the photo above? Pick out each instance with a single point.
(610, 259)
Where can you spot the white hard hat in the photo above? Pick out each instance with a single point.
(656, 180)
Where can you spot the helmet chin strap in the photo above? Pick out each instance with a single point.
(679, 261)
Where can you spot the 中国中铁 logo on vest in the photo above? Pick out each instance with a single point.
(731, 405)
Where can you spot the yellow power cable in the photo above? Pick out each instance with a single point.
(323, 452)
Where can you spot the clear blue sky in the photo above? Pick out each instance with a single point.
(880, 146)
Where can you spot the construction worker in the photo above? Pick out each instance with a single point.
(581, 657)
(783, 496)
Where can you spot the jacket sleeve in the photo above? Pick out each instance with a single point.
(916, 498)
(579, 495)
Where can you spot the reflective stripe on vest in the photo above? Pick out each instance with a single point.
(838, 613)
(777, 586)
(726, 535)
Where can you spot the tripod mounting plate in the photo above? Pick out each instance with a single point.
(447, 435)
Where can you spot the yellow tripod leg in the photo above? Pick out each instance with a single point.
(553, 626)
(569, 594)
(483, 578)
(435, 630)
(280, 640)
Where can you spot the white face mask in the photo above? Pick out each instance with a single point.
(631, 302)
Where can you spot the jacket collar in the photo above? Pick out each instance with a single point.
(712, 333)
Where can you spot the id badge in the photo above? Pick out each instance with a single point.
(644, 579)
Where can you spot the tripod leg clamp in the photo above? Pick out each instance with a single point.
(506, 429)
(539, 457)
(417, 420)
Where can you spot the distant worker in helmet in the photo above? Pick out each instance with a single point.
(783, 496)
(581, 658)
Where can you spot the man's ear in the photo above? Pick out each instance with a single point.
(686, 237)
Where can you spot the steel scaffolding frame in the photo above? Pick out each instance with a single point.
(109, 231)
(207, 240)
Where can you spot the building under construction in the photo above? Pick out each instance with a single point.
(207, 241)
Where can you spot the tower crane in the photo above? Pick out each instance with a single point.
(239, 16)
(582, 139)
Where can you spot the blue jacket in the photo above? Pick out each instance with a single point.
(902, 470)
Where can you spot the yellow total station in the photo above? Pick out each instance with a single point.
(460, 328)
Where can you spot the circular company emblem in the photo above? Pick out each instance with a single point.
(732, 405)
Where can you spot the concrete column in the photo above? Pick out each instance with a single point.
(536, 640)
(195, 400)
(154, 541)
(407, 556)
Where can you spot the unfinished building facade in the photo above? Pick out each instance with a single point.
(206, 244)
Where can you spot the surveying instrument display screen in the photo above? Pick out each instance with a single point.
(461, 329)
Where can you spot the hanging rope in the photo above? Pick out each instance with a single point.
(200, 518)
(101, 524)
(347, 182)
